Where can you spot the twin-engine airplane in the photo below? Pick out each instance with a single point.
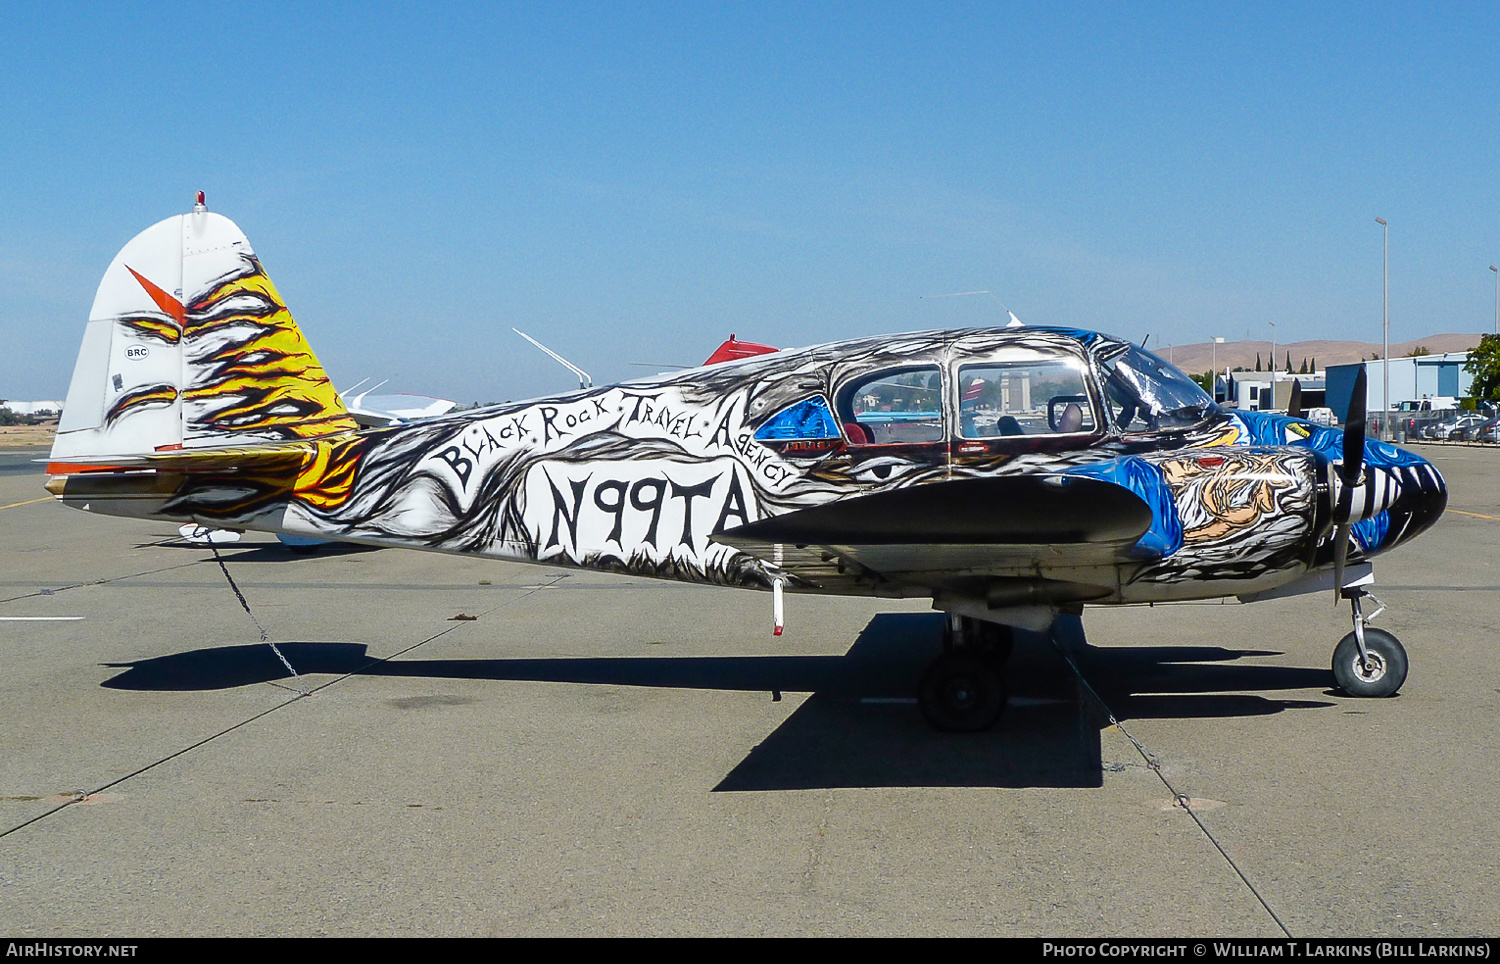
(1009, 475)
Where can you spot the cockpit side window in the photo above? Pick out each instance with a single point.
(1032, 394)
(894, 407)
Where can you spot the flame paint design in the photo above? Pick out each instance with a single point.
(252, 372)
(152, 327)
(138, 399)
(327, 476)
(237, 483)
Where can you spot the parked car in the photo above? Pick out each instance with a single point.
(1446, 429)
(1486, 431)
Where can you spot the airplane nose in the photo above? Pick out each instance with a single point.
(1431, 497)
(1421, 493)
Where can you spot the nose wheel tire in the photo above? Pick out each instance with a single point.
(962, 693)
(1384, 672)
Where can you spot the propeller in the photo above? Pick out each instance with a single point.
(1294, 405)
(1349, 473)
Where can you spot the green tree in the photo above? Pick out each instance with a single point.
(1257, 361)
(1484, 365)
(1418, 352)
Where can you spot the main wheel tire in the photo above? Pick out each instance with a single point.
(1387, 670)
(962, 693)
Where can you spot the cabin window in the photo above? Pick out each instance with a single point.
(895, 407)
(1031, 396)
(808, 420)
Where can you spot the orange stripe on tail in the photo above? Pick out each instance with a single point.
(163, 300)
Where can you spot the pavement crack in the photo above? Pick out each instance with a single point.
(99, 582)
(79, 796)
(1183, 801)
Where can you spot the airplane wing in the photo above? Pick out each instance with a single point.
(1007, 527)
(371, 411)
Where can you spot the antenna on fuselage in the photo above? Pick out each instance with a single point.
(1014, 321)
(585, 380)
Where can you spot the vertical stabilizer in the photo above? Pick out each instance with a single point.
(189, 345)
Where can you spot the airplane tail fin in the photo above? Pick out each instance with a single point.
(188, 345)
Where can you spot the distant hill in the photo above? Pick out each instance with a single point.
(1195, 359)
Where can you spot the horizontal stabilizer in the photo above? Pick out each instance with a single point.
(199, 484)
(188, 461)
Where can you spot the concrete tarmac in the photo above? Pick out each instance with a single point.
(596, 755)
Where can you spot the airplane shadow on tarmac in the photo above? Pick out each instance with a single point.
(861, 726)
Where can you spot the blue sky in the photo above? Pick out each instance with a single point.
(633, 182)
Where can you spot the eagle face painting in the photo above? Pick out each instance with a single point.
(1001, 471)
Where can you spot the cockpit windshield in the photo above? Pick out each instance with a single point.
(1146, 394)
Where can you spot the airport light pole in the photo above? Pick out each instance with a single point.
(1273, 366)
(1385, 300)
(1214, 390)
(1497, 298)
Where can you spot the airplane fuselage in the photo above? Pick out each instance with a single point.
(1010, 475)
(654, 477)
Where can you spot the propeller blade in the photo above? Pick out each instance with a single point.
(1354, 450)
(1354, 430)
(1350, 471)
(1294, 406)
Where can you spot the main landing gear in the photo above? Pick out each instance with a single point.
(963, 690)
(1368, 662)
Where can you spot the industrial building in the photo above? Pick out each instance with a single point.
(1411, 379)
(1267, 391)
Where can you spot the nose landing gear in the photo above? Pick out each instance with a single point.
(1368, 662)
